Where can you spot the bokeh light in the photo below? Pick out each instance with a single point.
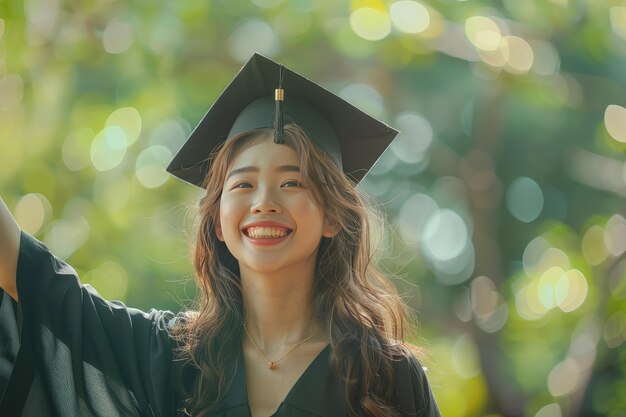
(546, 58)
(520, 57)
(415, 138)
(465, 360)
(108, 148)
(129, 120)
(484, 296)
(527, 305)
(571, 290)
(615, 235)
(617, 15)
(614, 331)
(370, 24)
(118, 37)
(252, 36)
(409, 16)
(597, 171)
(615, 122)
(564, 378)
(498, 57)
(445, 235)
(42, 18)
(495, 321)
(524, 199)
(546, 285)
(553, 257)
(414, 213)
(488, 308)
(583, 348)
(451, 192)
(32, 212)
(151, 164)
(455, 270)
(483, 33)
(556, 286)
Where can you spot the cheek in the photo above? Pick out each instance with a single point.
(221, 221)
(228, 220)
(313, 215)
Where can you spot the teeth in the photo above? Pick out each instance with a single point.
(267, 232)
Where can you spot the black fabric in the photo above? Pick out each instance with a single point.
(95, 358)
(16, 366)
(317, 393)
(91, 357)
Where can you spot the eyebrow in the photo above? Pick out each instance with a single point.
(250, 168)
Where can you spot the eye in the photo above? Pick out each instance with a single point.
(240, 185)
(292, 183)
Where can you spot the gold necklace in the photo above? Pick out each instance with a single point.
(274, 364)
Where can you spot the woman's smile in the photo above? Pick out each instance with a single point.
(268, 219)
(266, 233)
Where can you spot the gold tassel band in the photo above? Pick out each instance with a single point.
(279, 94)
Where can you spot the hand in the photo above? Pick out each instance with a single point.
(9, 250)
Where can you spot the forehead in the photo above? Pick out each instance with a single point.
(264, 153)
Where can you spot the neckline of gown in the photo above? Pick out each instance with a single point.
(237, 396)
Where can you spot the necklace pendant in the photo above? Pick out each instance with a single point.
(272, 365)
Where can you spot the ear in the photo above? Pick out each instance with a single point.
(218, 227)
(330, 228)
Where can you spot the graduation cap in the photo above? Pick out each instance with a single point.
(264, 94)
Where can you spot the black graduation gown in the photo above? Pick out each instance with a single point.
(317, 393)
(91, 357)
(86, 356)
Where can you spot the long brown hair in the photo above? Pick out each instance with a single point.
(354, 302)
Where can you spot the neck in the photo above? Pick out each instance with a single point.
(277, 308)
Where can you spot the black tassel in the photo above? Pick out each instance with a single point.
(279, 97)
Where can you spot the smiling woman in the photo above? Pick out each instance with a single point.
(293, 317)
(289, 230)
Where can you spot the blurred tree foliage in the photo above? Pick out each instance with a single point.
(505, 191)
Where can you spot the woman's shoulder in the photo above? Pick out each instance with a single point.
(415, 397)
(406, 361)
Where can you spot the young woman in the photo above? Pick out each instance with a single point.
(293, 319)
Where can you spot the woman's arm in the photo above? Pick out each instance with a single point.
(9, 250)
(90, 354)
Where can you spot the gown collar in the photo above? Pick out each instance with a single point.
(317, 392)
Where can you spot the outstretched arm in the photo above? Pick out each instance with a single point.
(9, 250)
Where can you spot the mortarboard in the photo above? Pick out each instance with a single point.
(264, 94)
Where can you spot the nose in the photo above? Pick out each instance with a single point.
(265, 202)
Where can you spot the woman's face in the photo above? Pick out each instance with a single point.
(269, 222)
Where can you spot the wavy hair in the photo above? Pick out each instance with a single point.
(356, 305)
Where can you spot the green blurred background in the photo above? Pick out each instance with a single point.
(504, 192)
